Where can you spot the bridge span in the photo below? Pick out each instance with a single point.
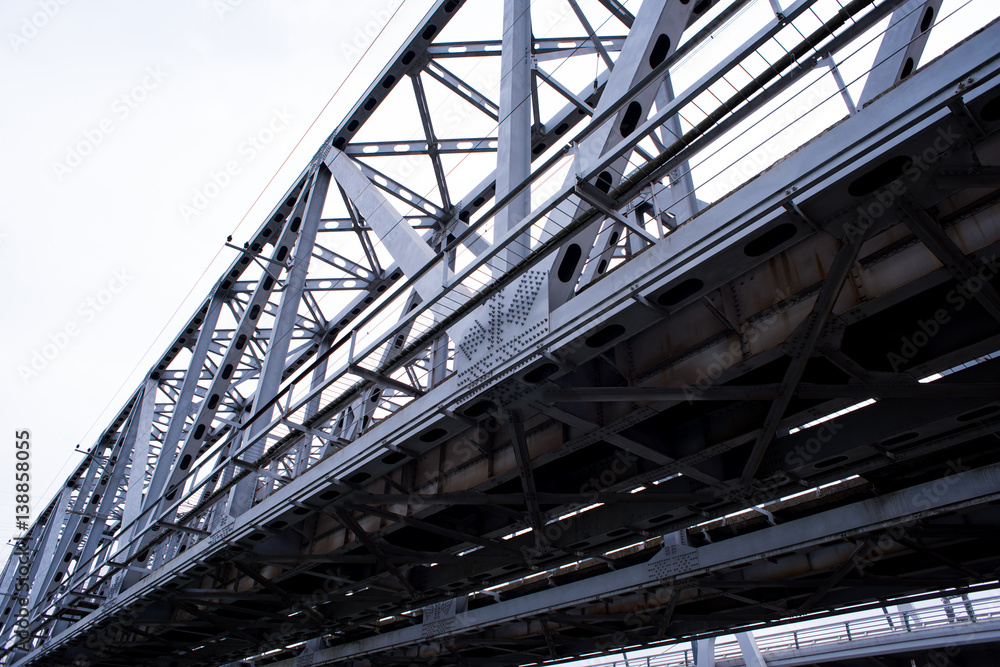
(700, 345)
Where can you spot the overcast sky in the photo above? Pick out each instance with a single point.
(117, 125)
(116, 122)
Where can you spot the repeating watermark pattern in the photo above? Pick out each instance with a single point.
(885, 200)
(103, 640)
(464, 452)
(219, 179)
(87, 311)
(448, 122)
(867, 216)
(223, 7)
(31, 26)
(775, 146)
(762, 493)
(957, 298)
(750, 333)
(919, 500)
(554, 530)
(365, 34)
(887, 197)
(22, 516)
(651, 614)
(942, 657)
(806, 452)
(121, 109)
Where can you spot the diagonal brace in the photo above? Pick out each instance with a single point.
(808, 336)
(595, 40)
(432, 145)
(277, 590)
(372, 376)
(606, 205)
(523, 457)
(344, 516)
(958, 264)
(842, 571)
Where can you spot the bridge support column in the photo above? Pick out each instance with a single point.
(748, 647)
(704, 652)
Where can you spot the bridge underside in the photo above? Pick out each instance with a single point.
(639, 463)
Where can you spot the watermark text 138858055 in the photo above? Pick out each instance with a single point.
(22, 517)
(22, 477)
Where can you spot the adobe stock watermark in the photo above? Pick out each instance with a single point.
(650, 614)
(801, 455)
(882, 202)
(731, 355)
(21, 593)
(942, 657)
(104, 640)
(958, 297)
(766, 152)
(121, 109)
(920, 500)
(464, 451)
(218, 180)
(365, 34)
(915, 167)
(87, 311)
(545, 541)
(32, 25)
(448, 121)
(224, 7)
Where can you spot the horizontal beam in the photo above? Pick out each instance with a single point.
(372, 376)
(765, 392)
(562, 47)
(417, 498)
(477, 145)
(965, 489)
(184, 529)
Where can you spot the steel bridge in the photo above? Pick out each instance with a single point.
(586, 363)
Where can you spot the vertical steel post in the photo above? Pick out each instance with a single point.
(241, 498)
(901, 46)
(140, 502)
(704, 652)
(175, 429)
(684, 202)
(750, 651)
(655, 34)
(514, 138)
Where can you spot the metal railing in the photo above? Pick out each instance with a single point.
(951, 612)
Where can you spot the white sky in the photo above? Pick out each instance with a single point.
(158, 101)
(113, 116)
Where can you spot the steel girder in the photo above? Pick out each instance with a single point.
(262, 490)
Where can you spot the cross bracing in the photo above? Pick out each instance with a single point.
(501, 403)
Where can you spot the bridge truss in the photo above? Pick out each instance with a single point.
(524, 392)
